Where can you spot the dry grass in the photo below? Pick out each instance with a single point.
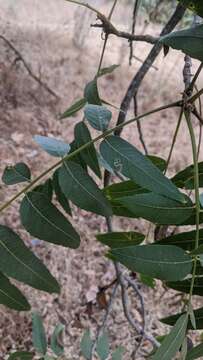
(47, 35)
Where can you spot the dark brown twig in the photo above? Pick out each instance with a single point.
(29, 70)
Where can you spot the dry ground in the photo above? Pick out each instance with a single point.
(65, 55)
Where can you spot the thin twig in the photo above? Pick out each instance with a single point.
(29, 70)
(110, 29)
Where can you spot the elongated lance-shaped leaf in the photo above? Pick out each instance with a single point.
(185, 178)
(198, 314)
(89, 155)
(57, 341)
(118, 353)
(185, 240)
(79, 187)
(73, 109)
(195, 353)
(126, 159)
(21, 355)
(86, 345)
(157, 208)
(102, 348)
(91, 93)
(185, 285)
(18, 262)
(173, 341)
(107, 70)
(190, 41)
(16, 174)
(11, 297)
(59, 194)
(162, 262)
(44, 221)
(121, 239)
(52, 146)
(38, 334)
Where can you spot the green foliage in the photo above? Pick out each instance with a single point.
(73, 109)
(81, 189)
(56, 340)
(144, 192)
(162, 262)
(121, 239)
(127, 160)
(102, 348)
(52, 146)
(16, 174)
(194, 5)
(98, 117)
(172, 343)
(86, 345)
(38, 334)
(21, 355)
(44, 221)
(190, 41)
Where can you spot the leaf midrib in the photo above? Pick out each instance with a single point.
(24, 265)
(140, 169)
(48, 221)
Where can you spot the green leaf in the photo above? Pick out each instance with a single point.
(86, 345)
(118, 353)
(18, 262)
(77, 158)
(107, 70)
(11, 297)
(38, 334)
(16, 174)
(102, 348)
(157, 209)
(122, 189)
(52, 146)
(59, 194)
(198, 314)
(89, 155)
(121, 239)
(21, 355)
(126, 159)
(190, 41)
(56, 340)
(185, 240)
(46, 188)
(201, 199)
(184, 286)
(162, 262)
(194, 5)
(173, 341)
(98, 116)
(73, 109)
(44, 221)
(79, 187)
(185, 178)
(91, 93)
(104, 164)
(195, 353)
(148, 281)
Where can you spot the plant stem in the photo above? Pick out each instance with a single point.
(174, 139)
(77, 151)
(197, 202)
